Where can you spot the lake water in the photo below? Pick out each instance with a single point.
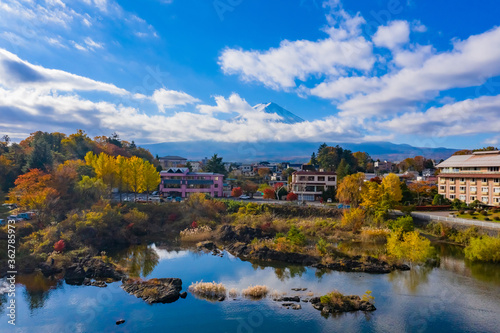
(456, 297)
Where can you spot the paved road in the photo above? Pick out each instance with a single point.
(444, 216)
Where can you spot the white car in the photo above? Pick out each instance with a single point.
(244, 197)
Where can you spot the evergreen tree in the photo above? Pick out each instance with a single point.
(215, 165)
(189, 166)
(314, 160)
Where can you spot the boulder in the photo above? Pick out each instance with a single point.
(166, 290)
(75, 274)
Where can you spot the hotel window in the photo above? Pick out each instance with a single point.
(462, 179)
(493, 169)
(496, 180)
(462, 188)
(462, 197)
(452, 196)
(473, 198)
(484, 180)
(484, 200)
(473, 189)
(452, 179)
(496, 190)
(216, 178)
(216, 185)
(452, 188)
(442, 188)
(484, 189)
(496, 200)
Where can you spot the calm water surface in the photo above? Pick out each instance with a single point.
(456, 297)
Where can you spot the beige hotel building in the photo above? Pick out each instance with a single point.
(471, 177)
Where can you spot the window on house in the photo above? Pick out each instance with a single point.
(493, 169)
(484, 180)
(496, 190)
(331, 179)
(452, 188)
(473, 198)
(473, 188)
(462, 179)
(484, 200)
(496, 180)
(442, 188)
(462, 197)
(452, 179)
(496, 200)
(310, 178)
(462, 188)
(452, 196)
(321, 178)
(484, 189)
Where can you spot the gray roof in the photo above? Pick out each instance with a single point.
(477, 159)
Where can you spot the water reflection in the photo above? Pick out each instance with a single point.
(410, 281)
(282, 271)
(139, 260)
(37, 289)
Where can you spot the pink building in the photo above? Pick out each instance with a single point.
(179, 182)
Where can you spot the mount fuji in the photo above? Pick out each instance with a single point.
(273, 108)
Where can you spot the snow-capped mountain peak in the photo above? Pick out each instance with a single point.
(273, 108)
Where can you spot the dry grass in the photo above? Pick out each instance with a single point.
(256, 291)
(375, 235)
(233, 292)
(196, 234)
(208, 289)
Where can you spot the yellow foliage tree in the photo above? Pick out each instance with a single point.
(392, 186)
(371, 195)
(353, 218)
(409, 246)
(350, 188)
(135, 179)
(122, 174)
(151, 178)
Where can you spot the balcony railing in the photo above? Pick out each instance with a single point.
(454, 171)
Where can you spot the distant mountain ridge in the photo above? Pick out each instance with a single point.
(288, 151)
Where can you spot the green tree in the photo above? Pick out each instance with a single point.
(215, 165)
(189, 166)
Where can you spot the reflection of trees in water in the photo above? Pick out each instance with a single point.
(286, 273)
(410, 281)
(3, 302)
(37, 288)
(484, 271)
(140, 260)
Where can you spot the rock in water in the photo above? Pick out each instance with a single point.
(165, 290)
(119, 322)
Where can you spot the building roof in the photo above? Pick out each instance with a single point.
(321, 173)
(477, 159)
(173, 158)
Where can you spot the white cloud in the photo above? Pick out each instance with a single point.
(167, 99)
(470, 63)
(393, 35)
(278, 68)
(91, 44)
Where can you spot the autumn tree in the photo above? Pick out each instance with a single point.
(32, 192)
(151, 178)
(350, 188)
(279, 190)
(135, 179)
(236, 192)
(422, 189)
(269, 193)
(249, 187)
(263, 172)
(392, 186)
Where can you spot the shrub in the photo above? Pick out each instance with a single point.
(321, 246)
(484, 212)
(461, 211)
(485, 248)
(292, 197)
(367, 297)
(334, 298)
(464, 237)
(269, 193)
(296, 237)
(410, 246)
(59, 246)
(353, 218)
(474, 217)
(496, 218)
(405, 223)
(487, 219)
(256, 291)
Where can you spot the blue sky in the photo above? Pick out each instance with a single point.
(419, 72)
